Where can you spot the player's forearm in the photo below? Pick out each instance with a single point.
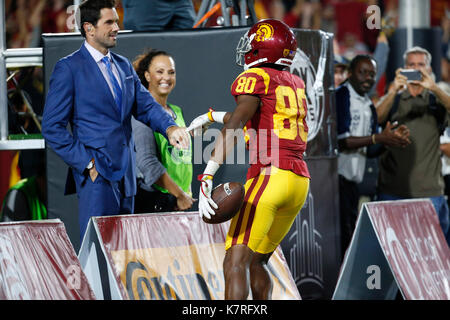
(228, 137)
(224, 144)
(227, 117)
(245, 109)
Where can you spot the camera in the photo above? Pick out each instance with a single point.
(411, 74)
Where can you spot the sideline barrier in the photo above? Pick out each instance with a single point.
(396, 245)
(163, 257)
(38, 262)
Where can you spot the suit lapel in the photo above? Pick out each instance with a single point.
(92, 65)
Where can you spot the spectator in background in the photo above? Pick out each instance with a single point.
(358, 137)
(445, 25)
(54, 18)
(340, 72)
(327, 19)
(152, 15)
(164, 176)
(303, 14)
(380, 55)
(277, 10)
(415, 171)
(445, 159)
(23, 23)
(444, 84)
(351, 46)
(368, 186)
(349, 17)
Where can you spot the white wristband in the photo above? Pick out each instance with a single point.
(211, 167)
(218, 116)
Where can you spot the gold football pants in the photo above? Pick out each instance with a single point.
(272, 201)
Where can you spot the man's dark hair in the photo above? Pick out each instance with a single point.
(357, 59)
(89, 11)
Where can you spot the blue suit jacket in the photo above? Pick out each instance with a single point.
(79, 95)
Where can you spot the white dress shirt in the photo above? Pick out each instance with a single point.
(98, 56)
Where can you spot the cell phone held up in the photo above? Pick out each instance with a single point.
(411, 74)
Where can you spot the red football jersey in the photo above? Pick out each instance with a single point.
(277, 131)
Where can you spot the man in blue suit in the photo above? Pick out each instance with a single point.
(97, 92)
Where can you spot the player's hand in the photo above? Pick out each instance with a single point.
(205, 203)
(178, 137)
(202, 123)
(199, 124)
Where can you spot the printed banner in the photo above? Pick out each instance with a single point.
(397, 245)
(415, 247)
(37, 262)
(174, 256)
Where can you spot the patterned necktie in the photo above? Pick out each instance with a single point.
(116, 87)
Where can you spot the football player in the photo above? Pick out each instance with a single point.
(271, 104)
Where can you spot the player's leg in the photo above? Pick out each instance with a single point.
(294, 191)
(260, 281)
(236, 272)
(239, 255)
(249, 228)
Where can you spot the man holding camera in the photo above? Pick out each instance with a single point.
(415, 100)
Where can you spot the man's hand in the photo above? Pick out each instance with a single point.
(178, 137)
(402, 131)
(394, 136)
(205, 203)
(184, 201)
(93, 173)
(400, 81)
(427, 81)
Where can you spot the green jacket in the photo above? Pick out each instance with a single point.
(177, 162)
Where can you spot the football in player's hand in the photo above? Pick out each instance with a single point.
(229, 198)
